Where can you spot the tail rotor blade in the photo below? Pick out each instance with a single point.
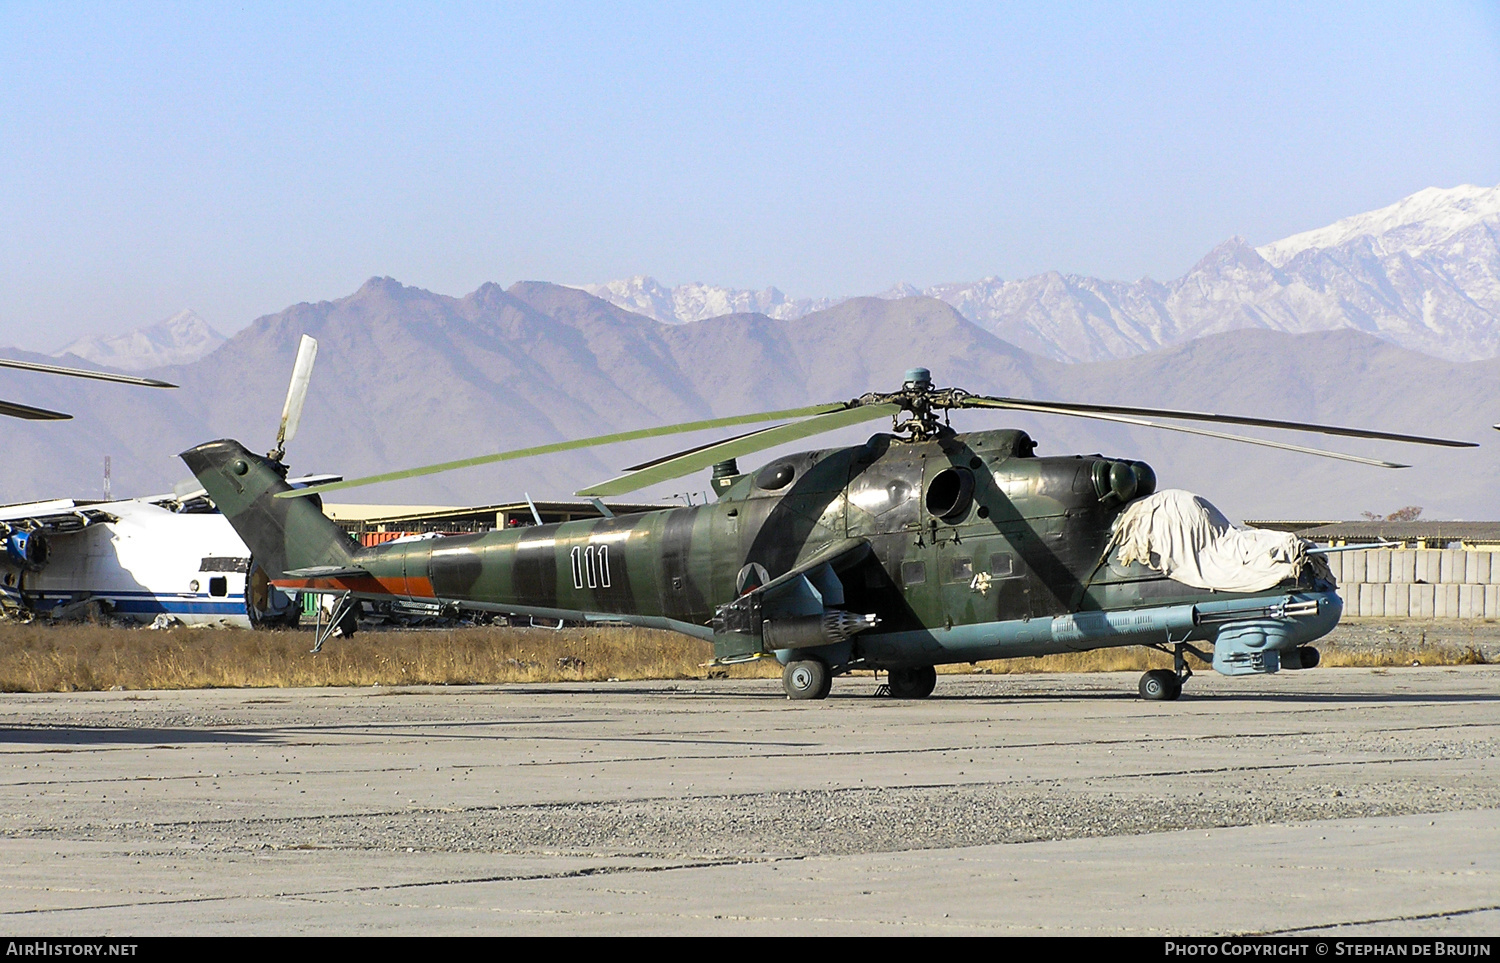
(296, 393)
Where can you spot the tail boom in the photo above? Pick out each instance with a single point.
(283, 534)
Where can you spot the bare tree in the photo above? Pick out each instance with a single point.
(1408, 514)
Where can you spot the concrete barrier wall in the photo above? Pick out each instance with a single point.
(1418, 583)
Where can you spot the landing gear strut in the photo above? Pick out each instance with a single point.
(342, 621)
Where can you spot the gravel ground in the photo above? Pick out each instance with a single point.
(588, 778)
(1387, 634)
(796, 824)
(1357, 772)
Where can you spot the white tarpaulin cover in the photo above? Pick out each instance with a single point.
(1184, 537)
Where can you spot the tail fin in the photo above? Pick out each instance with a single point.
(283, 534)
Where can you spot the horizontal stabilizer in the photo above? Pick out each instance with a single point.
(325, 571)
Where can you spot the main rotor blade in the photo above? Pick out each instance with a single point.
(697, 448)
(82, 373)
(570, 445)
(1246, 439)
(685, 463)
(15, 410)
(1071, 407)
(296, 391)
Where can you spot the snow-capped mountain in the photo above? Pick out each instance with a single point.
(1415, 224)
(695, 302)
(181, 339)
(1423, 273)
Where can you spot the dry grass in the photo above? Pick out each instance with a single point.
(1137, 659)
(1436, 654)
(64, 658)
(47, 658)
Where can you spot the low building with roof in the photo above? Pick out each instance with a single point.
(1422, 533)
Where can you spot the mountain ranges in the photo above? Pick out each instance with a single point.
(406, 377)
(1423, 273)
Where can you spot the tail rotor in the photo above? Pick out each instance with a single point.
(296, 394)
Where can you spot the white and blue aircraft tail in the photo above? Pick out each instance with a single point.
(137, 559)
(171, 557)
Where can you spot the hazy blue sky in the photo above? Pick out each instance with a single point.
(237, 159)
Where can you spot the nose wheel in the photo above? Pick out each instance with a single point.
(1164, 685)
(1160, 685)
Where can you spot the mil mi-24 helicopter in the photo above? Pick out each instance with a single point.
(920, 547)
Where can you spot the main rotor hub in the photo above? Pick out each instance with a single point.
(920, 403)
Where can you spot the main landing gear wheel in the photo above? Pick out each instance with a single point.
(1160, 685)
(808, 679)
(912, 683)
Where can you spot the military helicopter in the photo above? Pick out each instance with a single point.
(921, 547)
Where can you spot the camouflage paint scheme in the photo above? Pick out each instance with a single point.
(965, 547)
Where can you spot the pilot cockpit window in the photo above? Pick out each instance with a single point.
(774, 477)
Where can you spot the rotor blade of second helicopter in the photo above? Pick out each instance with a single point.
(17, 410)
(569, 446)
(83, 373)
(687, 462)
(1141, 422)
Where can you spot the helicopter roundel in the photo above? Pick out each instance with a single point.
(750, 578)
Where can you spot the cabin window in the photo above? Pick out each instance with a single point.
(1002, 565)
(960, 570)
(913, 573)
(218, 585)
